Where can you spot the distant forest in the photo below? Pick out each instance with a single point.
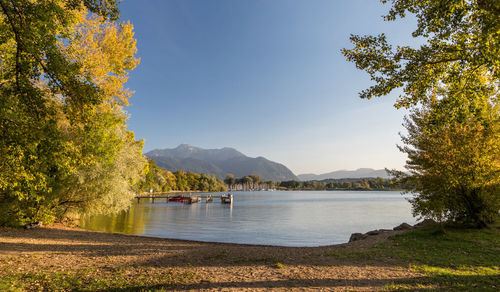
(158, 179)
(366, 184)
(252, 182)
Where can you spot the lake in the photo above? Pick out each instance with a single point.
(287, 218)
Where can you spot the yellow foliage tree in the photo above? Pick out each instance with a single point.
(453, 147)
(63, 139)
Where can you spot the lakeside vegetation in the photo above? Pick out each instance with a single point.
(65, 148)
(64, 144)
(252, 182)
(158, 179)
(449, 83)
(354, 184)
(460, 259)
(248, 182)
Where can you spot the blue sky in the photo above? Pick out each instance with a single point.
(265, 77)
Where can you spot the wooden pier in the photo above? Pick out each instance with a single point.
(185, 198)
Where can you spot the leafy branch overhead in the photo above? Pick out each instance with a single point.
(459, 38)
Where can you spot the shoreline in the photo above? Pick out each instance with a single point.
(61, 226)
(63, 258)
(200, 265)
(387, 232)
(248, 191)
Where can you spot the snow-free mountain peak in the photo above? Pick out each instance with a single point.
(219, 162)
(358, 173)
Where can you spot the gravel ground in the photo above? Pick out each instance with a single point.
(216, 266)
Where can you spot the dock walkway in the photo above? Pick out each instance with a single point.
(166, 196)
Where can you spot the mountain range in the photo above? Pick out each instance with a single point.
(219, 162)
(358, 173)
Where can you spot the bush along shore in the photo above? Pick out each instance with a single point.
(421, 257)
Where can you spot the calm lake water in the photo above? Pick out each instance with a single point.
(302, 218)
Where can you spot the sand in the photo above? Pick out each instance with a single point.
(216, 266)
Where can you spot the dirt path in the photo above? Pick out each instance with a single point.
(212, 266)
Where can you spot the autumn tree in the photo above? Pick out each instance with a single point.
(64, 146)
(181, 180)
(229, 180)
(451, 83)
(193, 181)
(255, 180)
(216, 185)
(156, 179)
(454, 157)
(247, 181)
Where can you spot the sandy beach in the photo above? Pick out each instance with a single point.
(189, 265)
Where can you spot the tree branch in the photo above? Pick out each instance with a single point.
(18, 42)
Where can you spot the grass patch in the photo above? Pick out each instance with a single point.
(455, 279)
(278, 265)
(456, 247)
(459, 259)
(92, 279)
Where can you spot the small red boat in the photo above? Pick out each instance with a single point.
(179, 198)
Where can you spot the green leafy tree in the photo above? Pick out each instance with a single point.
(291, 184)
(451, 82)
(156, 179)
(64, 146)
(461, 37)
(247, 181)
(162, 180)
(192, 180)
(270, 184)
(229, 180)
(255, 180)
(204, 183)
(216, 185)
(453, 147)
(170, 182)
(181, 180)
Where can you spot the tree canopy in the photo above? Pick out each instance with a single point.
(158, 179)
(64, 146)
(454, 157)
(460, 38)
(451, 83)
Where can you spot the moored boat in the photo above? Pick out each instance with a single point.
(178, 198)
(226, 199)
(193, 199)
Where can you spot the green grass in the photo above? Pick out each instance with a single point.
(278, 265)
(459, 259)
(94, 279)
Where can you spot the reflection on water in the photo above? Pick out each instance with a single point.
(270, 218)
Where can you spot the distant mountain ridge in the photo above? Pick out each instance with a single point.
(219, 162)
(358, 173)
